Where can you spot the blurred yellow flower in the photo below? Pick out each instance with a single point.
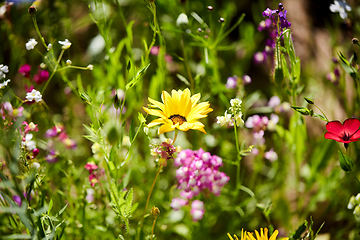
(178, 111)
(262, 236)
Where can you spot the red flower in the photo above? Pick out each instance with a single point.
(345, 133)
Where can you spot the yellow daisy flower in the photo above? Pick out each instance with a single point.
(264, 235)
(178, 111)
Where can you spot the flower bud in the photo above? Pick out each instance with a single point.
(355, 41)
(32, 10)
(155, 212)
(210, 8)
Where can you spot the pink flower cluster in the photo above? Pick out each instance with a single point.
(7, 111)
(40, 77)
(57, 132)
(27, 141)
(94, 173)
(198, 170)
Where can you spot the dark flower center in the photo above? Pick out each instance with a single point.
(176, 118)
(346, 136)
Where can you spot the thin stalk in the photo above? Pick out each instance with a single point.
(186, 64)
(147, 203)
(38, 31)
(152, 229)
(238, 158)
(175, 135)
(55, 69)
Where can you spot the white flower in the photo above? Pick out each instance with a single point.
(34, 95)
(90, 67)
(4, 84)
(68, 62)
(66, 44)
(235, 102)
(182, 20)
(28, 143)
(31, 44)
(3, 69)
(341, 7)
(238, 119)
(222, 120)
(49, 47)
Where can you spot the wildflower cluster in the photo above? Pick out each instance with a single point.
(233, 81)
(164, 151)
(260, 124)
(9, 114)
(57, 132)
(234, 115)
(275, 24)
(94, 173)
(27, 141)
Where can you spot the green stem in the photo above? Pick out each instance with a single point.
(238, 158)
(147, 203)
(55, 69)
(38, 31)
(175, 135)
(152, 229)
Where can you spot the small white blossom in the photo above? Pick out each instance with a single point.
(66, 44)
(68, 62)
(28, 143)
(34, 95)
(222, 120)
(43, 65)
(4, 84)
(90, 67)
(49, 47)
(341, 7)
(3, 69)
(31, 44)
(182, 20)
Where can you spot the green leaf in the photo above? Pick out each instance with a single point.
(50, 206)
(63, 209)
(278, 76)
(345, 162)
(133, 82)
(128, 66)
(132, 130)
(141, 118)
(17, 236)
(111, 166)
(128, 203)
(299, 231)
(183, 79)
(126, 179)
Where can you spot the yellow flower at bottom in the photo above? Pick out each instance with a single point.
(262, 236)
(178, 111)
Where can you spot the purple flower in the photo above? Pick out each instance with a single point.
(51, 157)
(259, 57)
(231, 83)
(274, 101)
(271, 155)
(17, 200)
(246, 79)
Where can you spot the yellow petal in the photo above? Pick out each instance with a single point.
(157, 104)
(166, 128)
(155, 112)
(156, 122)
(274, 235)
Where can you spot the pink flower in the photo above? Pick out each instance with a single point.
(41, 76)
(197, 210)
(177, 203)
(25, 70)
(91, 166)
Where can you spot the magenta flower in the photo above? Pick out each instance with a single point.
(91, 166)
(231, 82)
(345, 133)
(25, 70)
(41, 76)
